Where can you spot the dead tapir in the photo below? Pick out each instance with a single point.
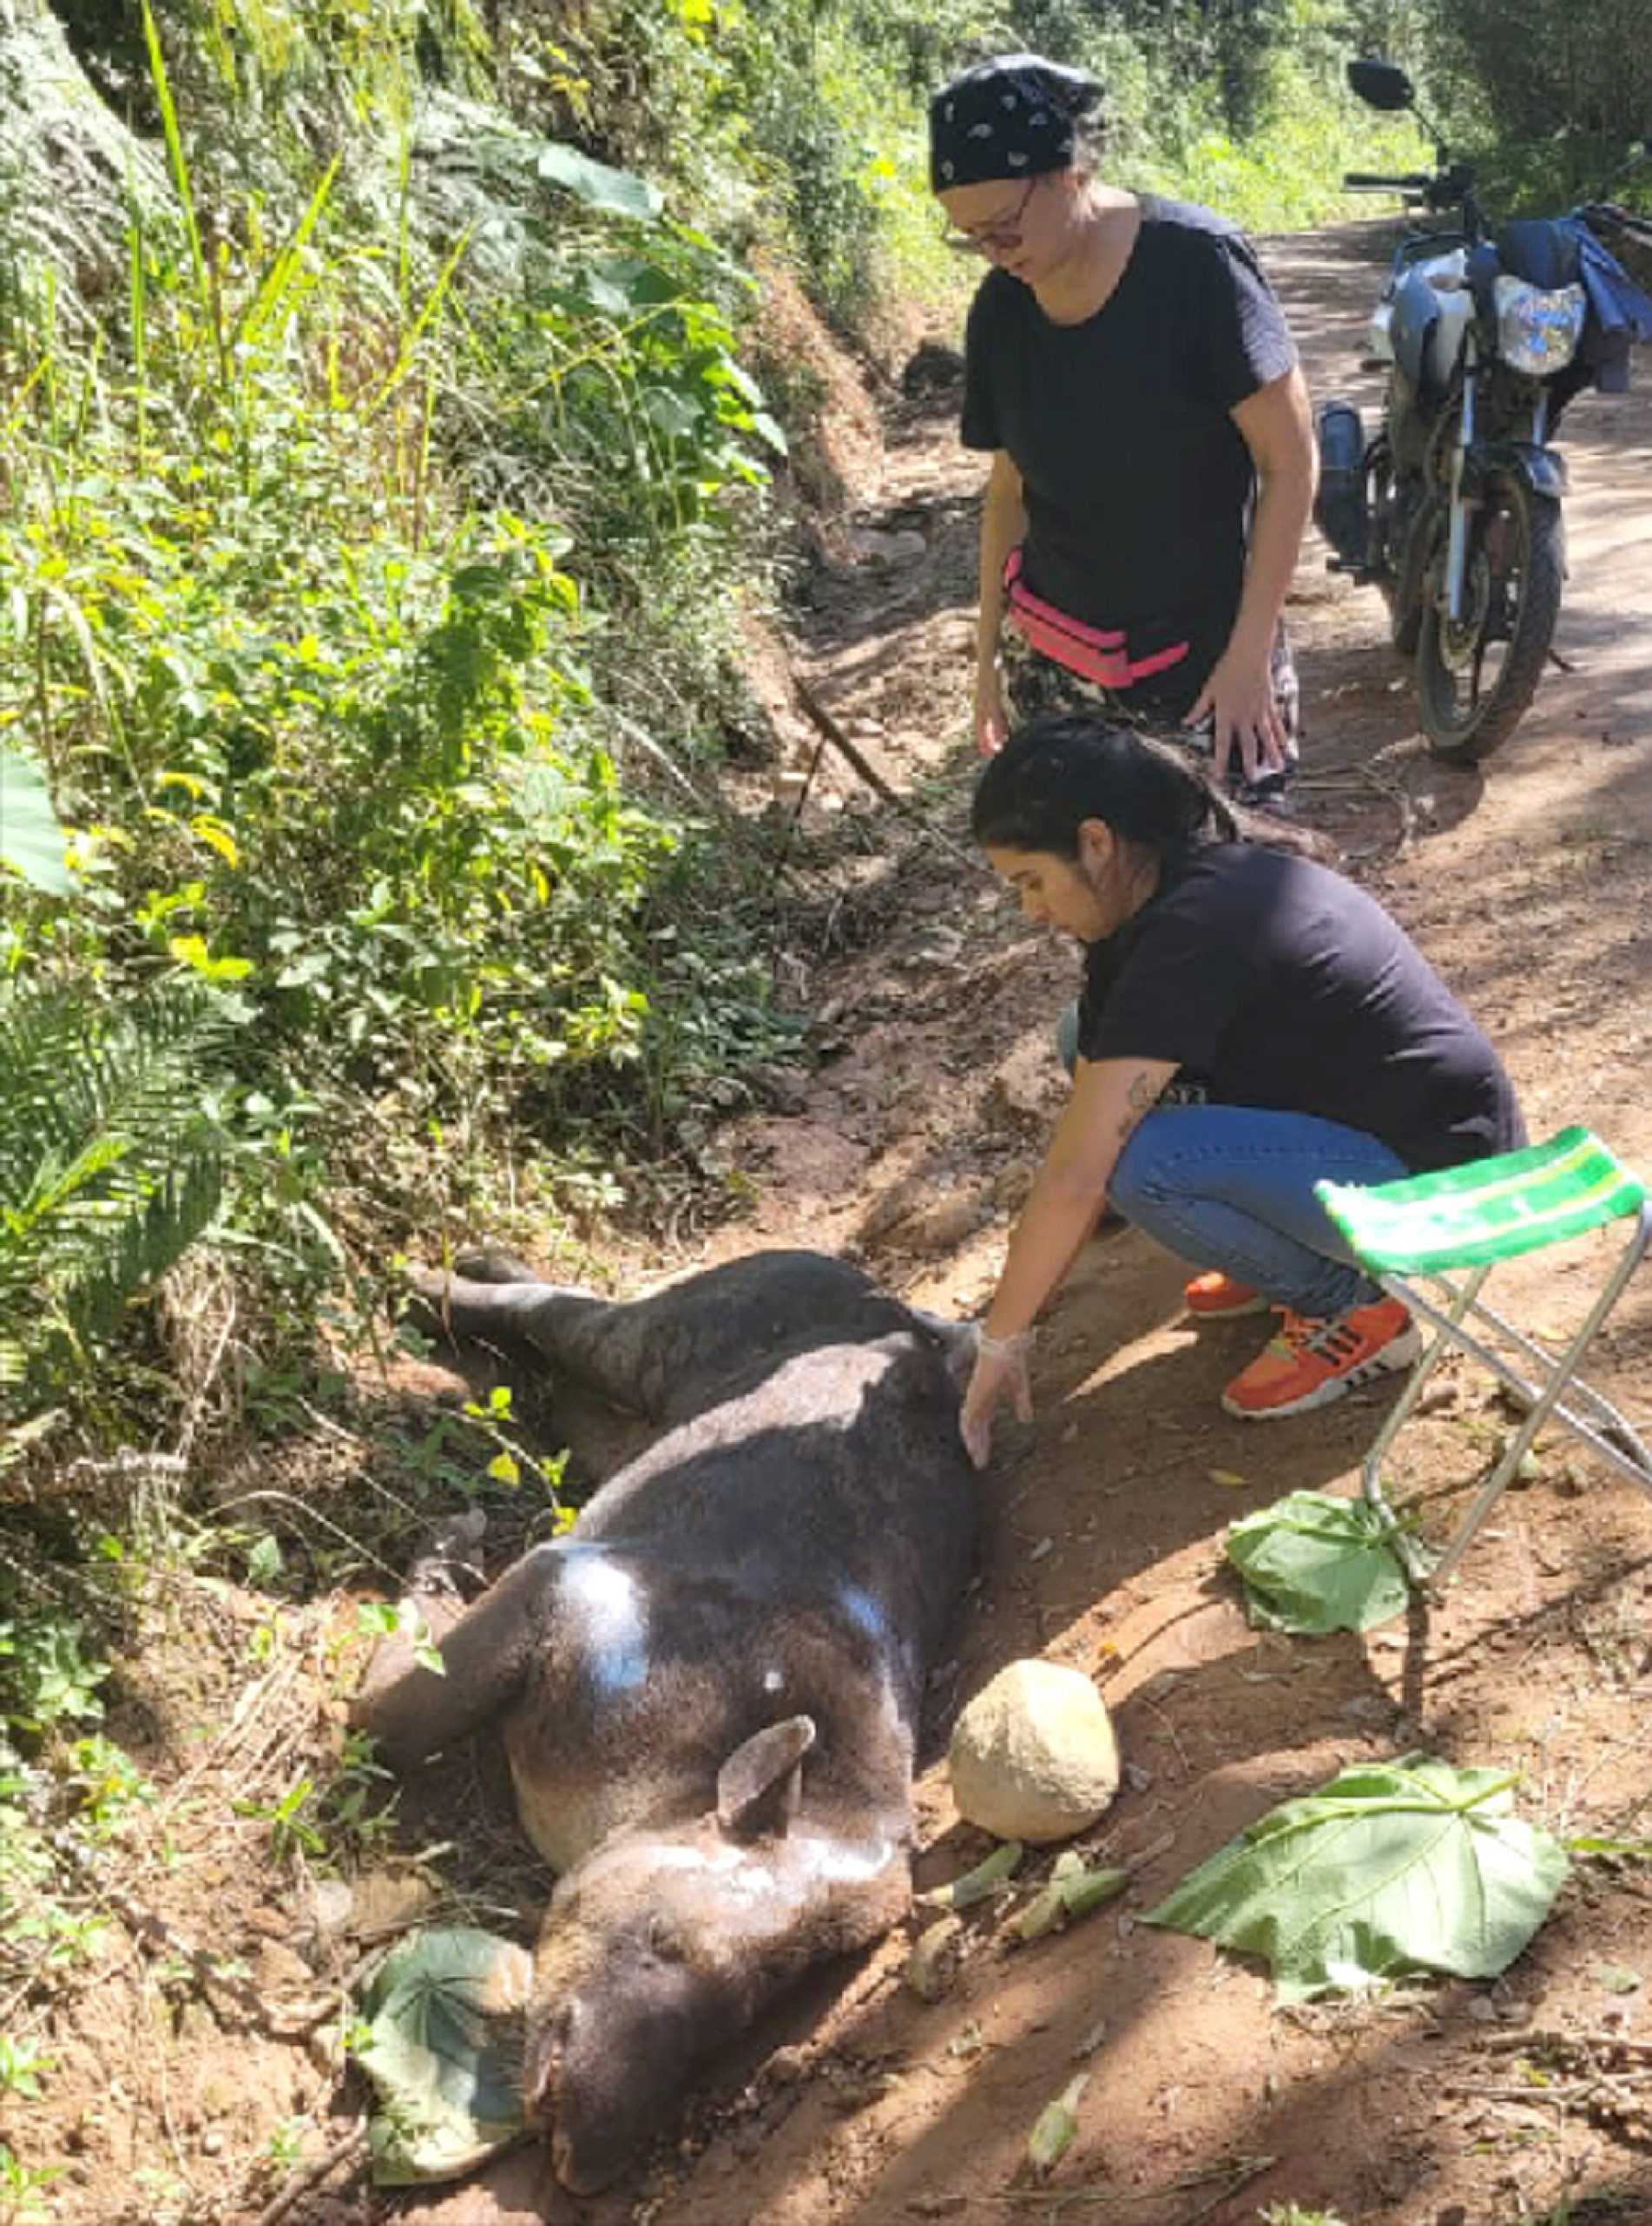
(710, 1689)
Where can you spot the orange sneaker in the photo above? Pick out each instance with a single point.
(1215, 1297)
(1310, 1363)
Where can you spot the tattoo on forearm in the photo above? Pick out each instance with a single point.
(1138, 1103)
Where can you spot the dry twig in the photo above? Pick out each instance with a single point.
(342, 2152)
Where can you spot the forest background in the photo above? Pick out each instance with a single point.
(400, 445)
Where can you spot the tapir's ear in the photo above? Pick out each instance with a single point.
(758, 1786)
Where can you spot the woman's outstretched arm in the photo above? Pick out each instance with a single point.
(1110, 1098)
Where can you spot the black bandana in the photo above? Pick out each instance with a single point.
(1008, 117)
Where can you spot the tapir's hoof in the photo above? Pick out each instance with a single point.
(434, 1295)
(491, 1264)
(453, 1556)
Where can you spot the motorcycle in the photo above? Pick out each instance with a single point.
(1452, 508)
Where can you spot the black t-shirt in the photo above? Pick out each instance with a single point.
(1273, 982)
(1138, 483)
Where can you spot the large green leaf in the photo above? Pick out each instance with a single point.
(444, 2053)
(1314, 1563)
(1393, 1867)
(31, 842)
(623, 191)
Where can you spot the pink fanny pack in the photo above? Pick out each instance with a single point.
(1087, 650)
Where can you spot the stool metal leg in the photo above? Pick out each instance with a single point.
(1563, 1369)
(1449, 1321)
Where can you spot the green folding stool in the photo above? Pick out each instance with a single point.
(1432, 1239)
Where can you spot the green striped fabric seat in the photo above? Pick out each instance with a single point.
(1492, 1209)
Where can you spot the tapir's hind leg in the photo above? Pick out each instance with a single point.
(672, 1355)
(414, 1711)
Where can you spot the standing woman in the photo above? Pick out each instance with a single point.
(1153, 463)
(1251, 1024)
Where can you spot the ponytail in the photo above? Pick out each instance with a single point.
(1068, 767)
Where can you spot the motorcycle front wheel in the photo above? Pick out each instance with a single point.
(1477, 676)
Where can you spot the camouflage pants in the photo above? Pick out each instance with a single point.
(1035, 684)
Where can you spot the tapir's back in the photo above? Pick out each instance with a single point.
(842, 1464)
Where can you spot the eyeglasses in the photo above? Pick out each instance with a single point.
(1000, 239)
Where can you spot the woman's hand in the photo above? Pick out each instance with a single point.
(1000, 1367)
(992, 712)
(1276, 425)
(1004, 527)
(1238, 698)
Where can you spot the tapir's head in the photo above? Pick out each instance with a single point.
(663, 1946)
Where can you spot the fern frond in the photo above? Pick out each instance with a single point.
(174, 1216)
(110, 1164)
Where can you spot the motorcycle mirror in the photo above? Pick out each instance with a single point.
(1381, 84)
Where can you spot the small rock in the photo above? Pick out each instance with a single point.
(1484, 2010)
(874, 545)
(929, 947)
(857, 2086)
(212, 2142)
(946, 1224)
(333, 1903)
(784, 1089)
(1011, 1185)
(898, 1204)
(278, 1970)
(931, 368)
(1617, 1978)
(1366, 1707)
(384, 1900)
(1033, 1756)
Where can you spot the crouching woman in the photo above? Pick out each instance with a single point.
(1250, 1023)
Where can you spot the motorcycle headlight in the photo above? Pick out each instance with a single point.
(1538, 330)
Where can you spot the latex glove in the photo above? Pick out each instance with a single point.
(1238, 699)
(1000, 1367)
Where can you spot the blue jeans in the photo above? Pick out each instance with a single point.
(1232, 1186)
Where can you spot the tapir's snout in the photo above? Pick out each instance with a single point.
(584, 2165)
(606, 2061)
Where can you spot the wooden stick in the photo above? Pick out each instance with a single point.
(832, 732)
(311, 2176)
